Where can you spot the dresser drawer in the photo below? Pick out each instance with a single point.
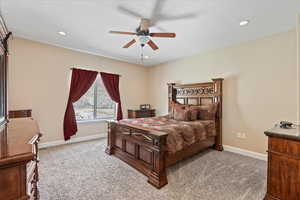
(284, 177)
(144, 114)
(141, 113)
(19, 113)
(284, 146)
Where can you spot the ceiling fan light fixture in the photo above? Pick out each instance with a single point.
(244, 22)
(143, 40)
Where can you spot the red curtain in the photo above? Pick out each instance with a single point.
(81, 81)
(111, 83)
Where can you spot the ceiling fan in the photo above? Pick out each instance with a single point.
(143, 34)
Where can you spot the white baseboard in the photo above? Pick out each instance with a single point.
(72, 140)
(232, 149)
(244, 152)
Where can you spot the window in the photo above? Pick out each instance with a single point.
(95, 104)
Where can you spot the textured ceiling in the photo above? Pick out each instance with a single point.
(200, 25)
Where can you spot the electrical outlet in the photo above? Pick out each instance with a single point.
(241, 135)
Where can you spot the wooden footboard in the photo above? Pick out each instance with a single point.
(141, 148)
(145, 150)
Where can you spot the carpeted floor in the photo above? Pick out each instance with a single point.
(83, 171)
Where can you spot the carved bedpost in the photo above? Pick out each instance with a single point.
(218, 87)
(171, 95)
(158, 176)
(110, 136)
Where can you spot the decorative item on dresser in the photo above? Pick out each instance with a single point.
(141, 113)
(145, 149)
(283, 181)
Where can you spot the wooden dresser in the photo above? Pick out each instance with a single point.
(19, 160)
(141, 113)
(283, 164)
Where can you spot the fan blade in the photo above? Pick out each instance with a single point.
(171, 35)
(129, 12)
(156, 11)
(152, 45)
(160, 28)
(170, 18)
(121, 32)
(129, 43)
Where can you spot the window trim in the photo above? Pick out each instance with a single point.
(103, 120)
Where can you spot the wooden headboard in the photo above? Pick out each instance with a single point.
(200, 94)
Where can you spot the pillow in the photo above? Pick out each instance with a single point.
(193, 114)
(181, 113)
(206, 112)
(175, 105)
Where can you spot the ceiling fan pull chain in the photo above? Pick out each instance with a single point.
(142, 54)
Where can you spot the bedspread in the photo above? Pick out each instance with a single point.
(181, 134)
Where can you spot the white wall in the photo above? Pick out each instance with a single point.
(39, 80)
(259, 86)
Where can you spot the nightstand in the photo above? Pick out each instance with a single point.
(141, 113)
(283, 164)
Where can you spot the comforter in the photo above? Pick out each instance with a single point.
(181, 134)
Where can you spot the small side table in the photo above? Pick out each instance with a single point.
(141, 113)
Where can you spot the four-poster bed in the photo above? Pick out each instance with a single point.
(146, 149)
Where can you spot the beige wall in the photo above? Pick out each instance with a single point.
(298, 78)
(259, 87)
(39, 79)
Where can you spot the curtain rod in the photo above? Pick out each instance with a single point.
(94, 71)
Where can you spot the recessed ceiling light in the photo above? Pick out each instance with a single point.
(62, 33)
(244, 22)
(146, 57)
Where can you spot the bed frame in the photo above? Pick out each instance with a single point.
(145, 149)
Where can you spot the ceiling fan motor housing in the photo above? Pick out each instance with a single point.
(140, 32)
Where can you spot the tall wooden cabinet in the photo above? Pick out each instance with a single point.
(18, 141)
(283, 181)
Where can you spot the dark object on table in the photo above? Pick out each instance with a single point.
(145, 106)
(141, 113)
(283, 164)
(286, 124)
